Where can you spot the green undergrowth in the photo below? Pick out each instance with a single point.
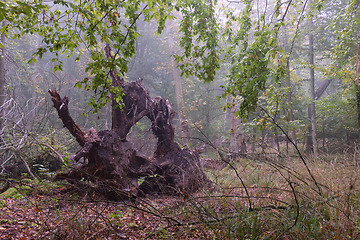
(28, 187)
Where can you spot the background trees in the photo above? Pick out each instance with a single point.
(242, 93)
(238, 49)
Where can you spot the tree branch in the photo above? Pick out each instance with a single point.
(61, 106)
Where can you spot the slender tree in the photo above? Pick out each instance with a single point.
(2, 78)
(357, 80)
(312, 89)
(176, 73)
(233, 126)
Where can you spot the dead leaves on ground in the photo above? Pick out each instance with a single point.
(53, 217)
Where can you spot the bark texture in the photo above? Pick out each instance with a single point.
(114, 168)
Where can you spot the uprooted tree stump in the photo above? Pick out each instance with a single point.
(112, 166)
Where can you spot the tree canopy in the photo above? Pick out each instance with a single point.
(243, 34)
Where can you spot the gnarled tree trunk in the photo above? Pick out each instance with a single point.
(114, 167)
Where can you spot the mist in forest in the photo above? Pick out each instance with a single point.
(201, 118)
(296, 95)
(264, 143)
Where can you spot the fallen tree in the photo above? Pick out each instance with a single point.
(112, 166)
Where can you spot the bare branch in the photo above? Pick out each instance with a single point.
(61, 106)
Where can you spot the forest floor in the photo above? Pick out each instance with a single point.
(44, 217)
(250, 200)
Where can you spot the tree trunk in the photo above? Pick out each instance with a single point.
(2, 79)
(321, 90)
(312, 90)
(233, 128)
(180, 102)
(178, 89)
(289, 93)
(115, 167)
(237, 138)
(357, 84)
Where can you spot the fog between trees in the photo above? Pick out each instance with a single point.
(244, 78)
(267, 102)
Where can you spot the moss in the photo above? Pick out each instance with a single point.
(17, 193)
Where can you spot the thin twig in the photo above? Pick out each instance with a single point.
(296, 148)
(230, 165)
